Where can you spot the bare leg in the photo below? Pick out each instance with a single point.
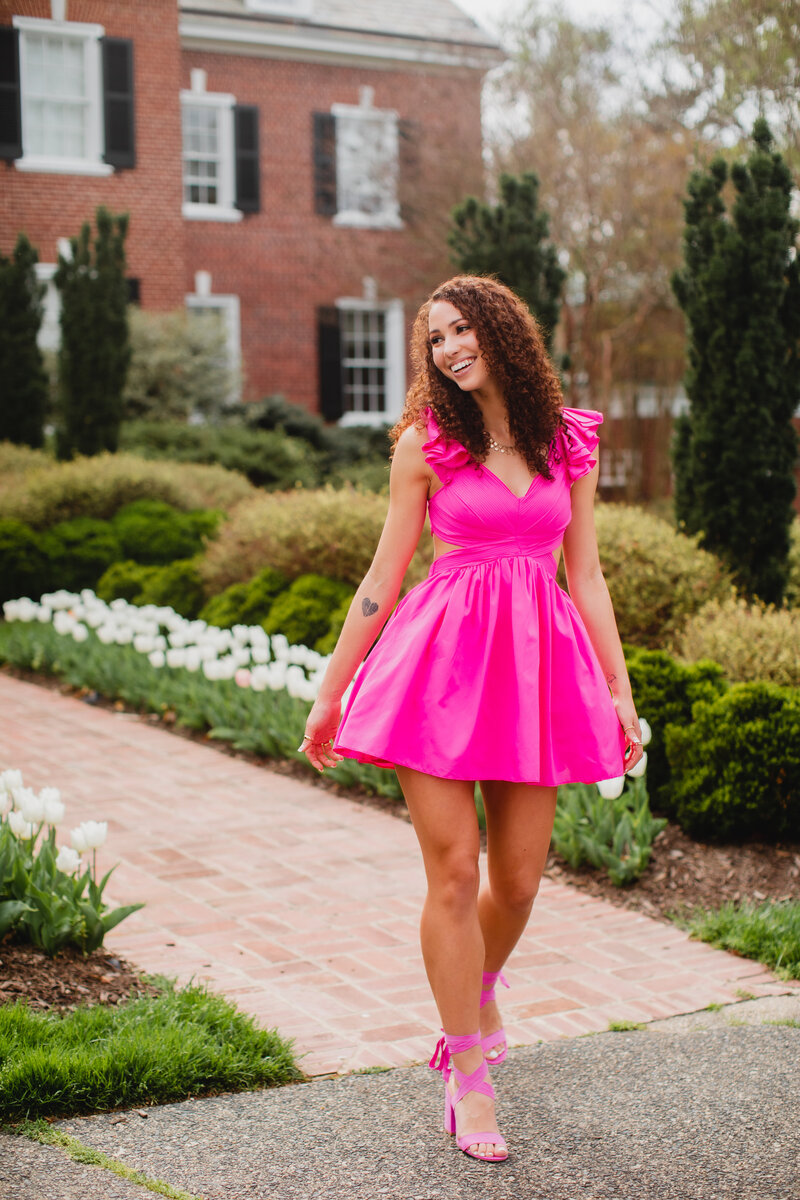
(445, 822)
(519, 823)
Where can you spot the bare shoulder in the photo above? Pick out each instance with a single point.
(408, 455)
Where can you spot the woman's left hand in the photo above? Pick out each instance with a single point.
(634, 750)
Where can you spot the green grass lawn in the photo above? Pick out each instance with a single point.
(768, 932)
(152, 1050)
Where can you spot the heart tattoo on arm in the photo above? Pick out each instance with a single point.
(368, 607)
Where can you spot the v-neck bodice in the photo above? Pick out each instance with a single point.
(475, 510)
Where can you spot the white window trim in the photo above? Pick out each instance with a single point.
(230, 308)
(283, 8)
(359, 220)
(44, 274)
(93, 164)
(395, 361)
(225, 211)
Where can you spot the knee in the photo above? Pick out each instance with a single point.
(456, 883)
(515, 893)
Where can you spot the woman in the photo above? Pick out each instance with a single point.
(487, 670)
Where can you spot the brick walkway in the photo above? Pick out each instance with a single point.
(303, 907)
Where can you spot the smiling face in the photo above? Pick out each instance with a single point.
(454, 346)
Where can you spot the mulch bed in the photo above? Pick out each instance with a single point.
(682, 874)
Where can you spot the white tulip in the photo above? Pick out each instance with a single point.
(143, 643)
(28, 803)
(118, 605)
(609, 789)
(107, 634)
(44, 614)
(639, 769)
(10, 780)
(157, 658)
(79, 632)
(63, 622)
(91, 834)
(11, 609)
(176, 657)
(259, 654)
(647, 732)
(124, 635)
(241, 656)
(68, 860)
(19, 826)
(193, 658)
(5, 803)
(53, 806)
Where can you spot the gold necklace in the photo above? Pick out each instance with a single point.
(494, 445)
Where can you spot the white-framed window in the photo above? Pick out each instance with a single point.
(49, 335)
(208, 156)
(281, 8)
(367, 149)
(373, 361)
(204, 304)
(61, 97)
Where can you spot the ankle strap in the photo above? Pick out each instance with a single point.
(452, 1043)
(490, 978)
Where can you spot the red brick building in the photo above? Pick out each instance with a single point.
(287, 162)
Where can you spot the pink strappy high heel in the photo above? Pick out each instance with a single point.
(491, 1040)
(478, 1081)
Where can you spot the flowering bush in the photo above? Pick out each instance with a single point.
(750, 641)
(46, 897)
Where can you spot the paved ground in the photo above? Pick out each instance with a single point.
(669, 1113)
(303, 907)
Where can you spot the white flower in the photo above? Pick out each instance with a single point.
(29, 805)
(156, 658)
(68, 860)
(18, 825)
(63, 622)
(193, 659)
(211, 669)
(609, 789)
(241, 656)
(176, 657)
(79, 632)
(280, 646)
(5, 802)
(43, 614)
(647, 732)
(259, 678)
(10, 780)
(259, 653)
(89, 835)
(144, 643)
(124, 635)
(639, 769)
(107, 634)
(53, 807)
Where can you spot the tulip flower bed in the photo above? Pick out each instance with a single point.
(239, 685)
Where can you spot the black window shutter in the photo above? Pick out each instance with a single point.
(408, 137)
(325, 164)
(10, 115)
(330, 363)
(248, 189)
(118, 102)
(134, 291)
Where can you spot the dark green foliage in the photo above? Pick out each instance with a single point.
(124, 581)
(736, 769)
(79, 551)
(177, 585)
(152, 531)
(23, 563)
(509, 240)
(149, 1051)
(245, 603)
(303, 613)
(615, 836)
(665, 691)
(326, 644)
(275, 412)
(95, 351)
(24, 387)
(740, 290)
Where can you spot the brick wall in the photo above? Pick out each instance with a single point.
(50, 206)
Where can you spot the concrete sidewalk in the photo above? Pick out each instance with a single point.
(303, 907)
(703, 1108)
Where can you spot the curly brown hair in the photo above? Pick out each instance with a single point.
(516, 359)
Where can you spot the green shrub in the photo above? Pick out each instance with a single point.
(100, 486)
(303, 612)
(177, 585)
(736, 769)
(327, 643)
(79, 552)
(19, 460)
(615, 836)
(664, 691)
(23, 563)
(151, 531)
(123, 581)
(178, 366)
(657, 577)
(269, 459)
(245, 603)
(750, 641)
(333, 533)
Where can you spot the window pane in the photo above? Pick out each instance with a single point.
(202, 163)
(366, 164)
(364, 360)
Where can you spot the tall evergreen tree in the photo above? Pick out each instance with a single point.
(95, 348)
(24, 381)
(735, 449)
(509, 240)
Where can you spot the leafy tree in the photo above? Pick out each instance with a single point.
(179, 367)
(740, 290)
(24, 387)
(509, 240)
(95, 351)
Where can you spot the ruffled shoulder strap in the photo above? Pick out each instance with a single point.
(445, 457)
(579, 440)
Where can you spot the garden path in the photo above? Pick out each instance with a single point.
(302, 907)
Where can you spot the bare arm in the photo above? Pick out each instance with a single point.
(589, 593)
(377, 593)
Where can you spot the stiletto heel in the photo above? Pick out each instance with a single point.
(490, 980)
(477, 1081)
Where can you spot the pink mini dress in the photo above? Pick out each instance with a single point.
(485, 669)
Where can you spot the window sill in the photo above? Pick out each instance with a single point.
(349, 419)
(358, 220)
(63, 166)
(210, 212)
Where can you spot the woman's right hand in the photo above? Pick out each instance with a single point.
(321, 726)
